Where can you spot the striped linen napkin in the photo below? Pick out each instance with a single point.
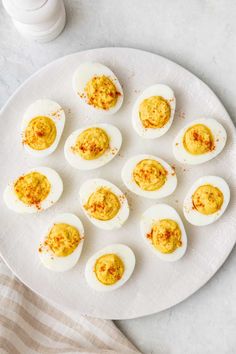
(30, 324)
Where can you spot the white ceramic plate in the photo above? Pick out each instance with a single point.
(154, 285)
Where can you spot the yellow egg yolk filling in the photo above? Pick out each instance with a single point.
(149, 175)
(109, 268)
(101, 92)
(91, 143)
(62, 239)
(207, 199)
(32, 188)
(165, 236)
(40, 133)
(154, 112)
(198, 139)
(103, 204)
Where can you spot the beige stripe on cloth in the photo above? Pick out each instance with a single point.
(30, 324)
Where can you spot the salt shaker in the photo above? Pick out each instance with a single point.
(40, 20)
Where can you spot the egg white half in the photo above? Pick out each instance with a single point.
(192, 215)
(127, 177)
(158, 212)
(62, 264)
(56, 190)
(123, 252)
(156, 90)
(91, 186)
(48, 109)
(84, 73)
(76, 161)
(220, 137)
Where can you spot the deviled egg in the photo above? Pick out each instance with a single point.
(199, 141)
(98, 87)
(34, 191)
(206, 201)
(153, 111)
(110, 268)
(149, 176)
(164, 232)
(62, 245)
(42, 127)
(104, 204)
(92, 146)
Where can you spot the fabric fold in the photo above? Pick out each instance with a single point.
(31, 324)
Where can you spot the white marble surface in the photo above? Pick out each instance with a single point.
(201, 36)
